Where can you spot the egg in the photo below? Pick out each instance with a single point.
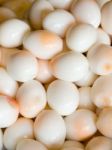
(106, 14)
(69, 66)
(8, 86)
(72, 144)
(9, 111)
(49, 128)
(58, 21)
(100, 59)
(12, 32)
(80, 125)
(63, 97)
(102, 2)
(43, 44)
(21, 129)
(1, 139)
(99, 143)
(31, 97)
(22, 66)
(104, 122)
(81, 37)
(87, 11)
(101, 92)
(30, 144)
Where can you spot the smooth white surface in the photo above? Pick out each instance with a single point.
(87, 11)
(69, 66)
(31, 97)
(58, 21)
(9, 111)
(80, 125)
(12, 32)
(43, 44)
(63, 97)
(22, 66)
(49, 128)
(101, 94)
(81, 37)
(22, 128)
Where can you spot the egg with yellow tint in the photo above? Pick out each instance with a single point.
(100, 59)
(101, 92)
(80, 125)
(43, 44)
(31, 97)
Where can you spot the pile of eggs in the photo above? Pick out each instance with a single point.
(55, 75)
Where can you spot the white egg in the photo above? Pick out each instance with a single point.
(12, 32)
(22, 66)
(81, 37)
(30, 144)
(39, 10)
(101, 92)
(103, 37)
(8, 86)
(87, 11)
(6, 13)
(104, 122)
(99, 143)
(72, 143)
(102, 2)
(9, 111)
(1, 140)
(63, 97)
(88, 79)
(43, 44)
(100, 59)
(69, 66)
(64, 4)
(106, 14)
(85, 98)
(31, 97)
(80, 125)
(49, 128)
(22, 128)
(44, 73)
(58, 21)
